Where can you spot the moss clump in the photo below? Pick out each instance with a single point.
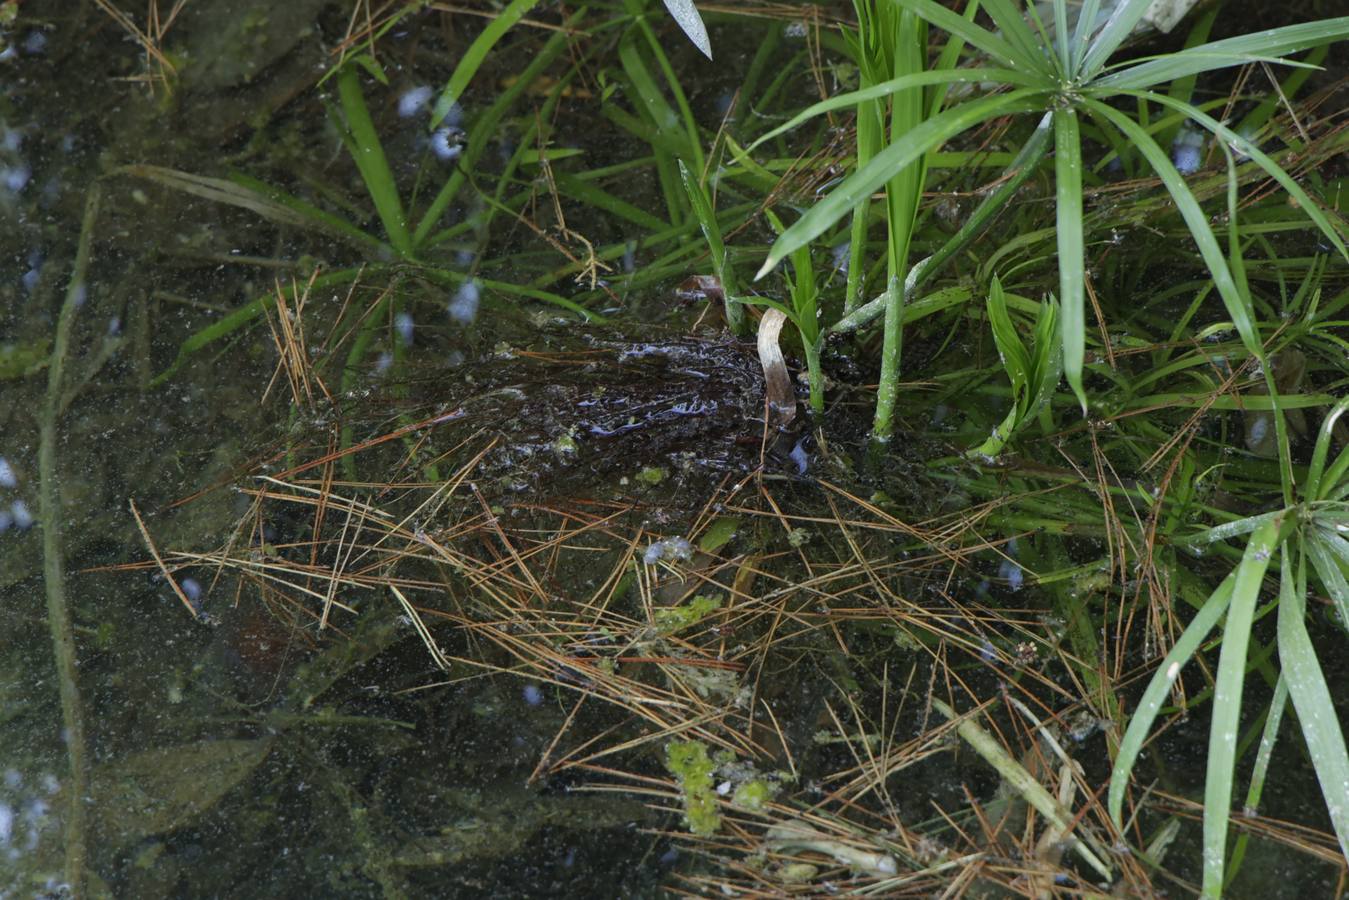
(689, 763)
(652, 475)
(753, 795)
(676, 618)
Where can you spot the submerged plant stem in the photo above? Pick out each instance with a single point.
(53, 564)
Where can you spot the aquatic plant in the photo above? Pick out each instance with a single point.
(1062, 73)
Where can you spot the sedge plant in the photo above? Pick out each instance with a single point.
(1062, 73)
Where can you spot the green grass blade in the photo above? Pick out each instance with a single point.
(893, 86)
(480, 136)
(1008, 17)
(1238, 306)
(904, 151)
(1273, 169)
(1118, 27)
(1329, 555)
(474, 56)
(1140, 724)
(317, 218)
(657, 52)
(1269, 738)
(1071, 244)
(1313, 701)
(238, 318)
(1268, 46)
(1226, 721)
(1011, 180)
(996, 47)
(1086, 22)
(1011, 350)
(368, 154)
(707, 221)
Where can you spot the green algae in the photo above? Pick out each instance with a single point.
(692, 768)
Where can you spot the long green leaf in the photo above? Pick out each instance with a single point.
(1329, 555)
(1312, 700)
(368, 153)
(1118, 27)
(894, 86)
(473, 57)
(1242, 145)
(1140, 724)
(481, 134)
(1017, 33)
(1267, 46)
(1011, 180)
(996, 47)
(907, 149)
(1071, 244)
(1238, 306)
(686, 14)
(1086, 24)
(1226, 721)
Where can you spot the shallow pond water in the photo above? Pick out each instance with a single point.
(420, 607)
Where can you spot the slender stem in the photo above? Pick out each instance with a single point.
(53, 564)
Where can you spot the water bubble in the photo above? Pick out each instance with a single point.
(447, 143)
(402, 323)
(7, 477)
(414, 100)
(463, 307)
(23, 519)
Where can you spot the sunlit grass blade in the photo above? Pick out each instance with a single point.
(686, 14)
(1117, 28)
(1071, 244)
(368, 153)
(1226, 718)
(1312, 699)
(931, 134)
(1267, 46)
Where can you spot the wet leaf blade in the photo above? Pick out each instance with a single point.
(691, 23)
(1225, 726)
(1313, 701)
